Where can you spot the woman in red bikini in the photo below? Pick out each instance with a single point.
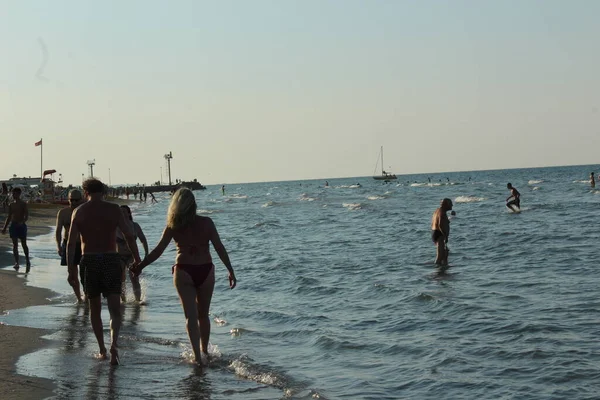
(193, 272)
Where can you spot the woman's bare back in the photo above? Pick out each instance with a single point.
(193, 242)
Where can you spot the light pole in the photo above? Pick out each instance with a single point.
(168, 157)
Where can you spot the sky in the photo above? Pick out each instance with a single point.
(252, 91)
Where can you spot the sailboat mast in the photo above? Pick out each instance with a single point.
(382, 160)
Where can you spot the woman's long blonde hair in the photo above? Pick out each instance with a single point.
(182, 209)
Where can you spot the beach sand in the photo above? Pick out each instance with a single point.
(14, 340)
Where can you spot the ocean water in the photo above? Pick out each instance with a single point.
(338, 297)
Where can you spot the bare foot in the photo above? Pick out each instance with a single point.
(114, 356)
(204, 359)
(102, 355)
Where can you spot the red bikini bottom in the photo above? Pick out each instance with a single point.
(199, 273)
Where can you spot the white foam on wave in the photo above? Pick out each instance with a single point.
(425, 184)
(201, 211)
(376, 197)
(305, 197)
(238, 196)
(249, 372)
(534, 182)
(535, 188)
(586, 181)
(469, 199)
(352, 206)
(268, 204)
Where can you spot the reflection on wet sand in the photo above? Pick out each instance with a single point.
(195, 386)
(76, 328)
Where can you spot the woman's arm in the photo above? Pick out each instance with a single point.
(222, 252)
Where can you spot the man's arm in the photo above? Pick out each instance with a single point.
(128, 235)
(72, 246)
(8, 218)
(58, 234)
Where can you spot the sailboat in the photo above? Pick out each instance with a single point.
(385, 176)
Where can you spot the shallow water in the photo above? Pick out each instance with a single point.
(338, 298)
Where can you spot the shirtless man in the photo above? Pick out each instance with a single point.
(17, 217)
(592, 180)
(95, 223)
(440, 230)
(63, 222)
(516, 198)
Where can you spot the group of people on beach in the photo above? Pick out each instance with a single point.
(100, 241)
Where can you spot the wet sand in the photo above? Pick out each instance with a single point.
(15, 340)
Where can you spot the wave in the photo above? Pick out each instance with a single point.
(469, 199)
(268, 204)
(535, 188)
(424, 184)
(534, 182)
(305, 197)
(201, 211)
(352, 206)
(376, 197)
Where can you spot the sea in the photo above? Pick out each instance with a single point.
(338, 296)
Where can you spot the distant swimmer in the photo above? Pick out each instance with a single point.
(592, 181)
(440, 231)
(515, 203)
(223, 189)
(152, 198)
(326, 183)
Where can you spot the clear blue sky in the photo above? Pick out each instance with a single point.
(244, 91)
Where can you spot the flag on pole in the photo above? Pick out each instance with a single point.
(38, 143)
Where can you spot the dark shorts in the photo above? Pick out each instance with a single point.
(436, 235)
(63, 259)
(102, 274)
(516, 202)
(18, 230)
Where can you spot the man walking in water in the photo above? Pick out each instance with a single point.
(440, 231)
(63, 222)
(592, 180)
(95, 223)
(17, 217)
(515, 203)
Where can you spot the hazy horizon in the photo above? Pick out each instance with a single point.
(278, 90)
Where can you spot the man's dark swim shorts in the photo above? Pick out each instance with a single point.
(102, 274)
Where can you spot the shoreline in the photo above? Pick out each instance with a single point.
(16, 341)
